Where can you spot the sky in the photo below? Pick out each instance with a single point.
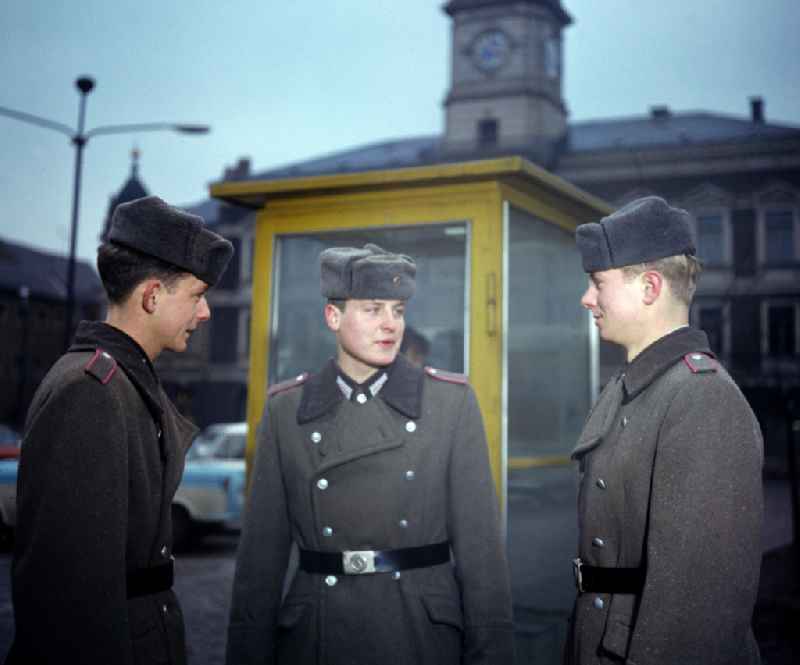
(280, 81)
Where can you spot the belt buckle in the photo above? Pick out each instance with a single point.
(577, 564)
(358, 562)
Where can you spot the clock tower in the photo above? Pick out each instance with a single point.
(506, 78)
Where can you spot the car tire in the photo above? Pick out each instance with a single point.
(183, 531)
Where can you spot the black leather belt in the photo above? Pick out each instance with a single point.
(596, 579)
(146, 581)
(364, 562)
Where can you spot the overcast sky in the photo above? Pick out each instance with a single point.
(282, 81)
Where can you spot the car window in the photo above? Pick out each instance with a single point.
(233, 447)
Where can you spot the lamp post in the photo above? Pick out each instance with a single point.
(79, 138)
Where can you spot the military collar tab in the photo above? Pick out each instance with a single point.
(659, 357)
(402, 390)
(369, 388)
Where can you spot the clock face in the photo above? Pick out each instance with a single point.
(491, 49)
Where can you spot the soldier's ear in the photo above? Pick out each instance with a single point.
(150, 293)
(333, 317)
(653, 284)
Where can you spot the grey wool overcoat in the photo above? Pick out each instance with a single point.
(670, 482)
(101, 459)
(407, 468)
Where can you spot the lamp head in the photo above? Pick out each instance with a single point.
(85, 84)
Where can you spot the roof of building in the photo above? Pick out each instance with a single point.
(676, 129)
(664, 129)
(45, 274)
(661, 128)
(555, 5)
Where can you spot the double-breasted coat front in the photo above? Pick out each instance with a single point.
(102, 457)
(670, 467)
(406, 468)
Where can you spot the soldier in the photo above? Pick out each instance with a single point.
(377, 470)
(670, 499)
(103, 455)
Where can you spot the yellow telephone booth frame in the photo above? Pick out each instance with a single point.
(478, 191)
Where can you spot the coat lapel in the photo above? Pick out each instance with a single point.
(601, 418)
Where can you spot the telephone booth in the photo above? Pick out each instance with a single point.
(498, 287)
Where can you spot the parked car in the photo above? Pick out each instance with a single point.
(9, 442)
(220, 441)
(211, 494)
(8, 500)
(209, 498)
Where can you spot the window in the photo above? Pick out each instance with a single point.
(224, 334)
(782, 329)
(710, 239)
(710, 321)
(779, 236)
(488, 131)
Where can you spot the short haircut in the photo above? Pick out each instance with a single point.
(122, 269)
(680, 271)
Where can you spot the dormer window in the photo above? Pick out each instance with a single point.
(488, 132)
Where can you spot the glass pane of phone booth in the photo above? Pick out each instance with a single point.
(436, 321)
(548, 393)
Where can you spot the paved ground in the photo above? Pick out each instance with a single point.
(204, 576)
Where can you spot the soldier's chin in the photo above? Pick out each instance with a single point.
(385, 357)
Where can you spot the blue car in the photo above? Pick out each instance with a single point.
(209, 498)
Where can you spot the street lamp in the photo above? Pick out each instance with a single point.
(79, 138)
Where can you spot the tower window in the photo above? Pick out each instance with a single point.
(709, 239)
(488, 131)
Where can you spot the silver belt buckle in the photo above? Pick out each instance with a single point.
(359, 562)
(576, 568)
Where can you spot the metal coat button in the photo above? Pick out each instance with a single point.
(331, 580)
(316, 437)
(410, 475)
(164, 609)
(165, 551)
(598, 542)
(601, 483)
(396, 575)
(327, 532)
(361, 398)
(403, 524)
(322, 484)
(624, 421)
(411, 426)
(598, 603)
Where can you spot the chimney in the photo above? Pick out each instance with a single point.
(757, 110)
(660, 112)
(239, 172)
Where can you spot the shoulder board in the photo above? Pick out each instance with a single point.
(441, 375)
(283, 386)
(700, 363)
(102, 366)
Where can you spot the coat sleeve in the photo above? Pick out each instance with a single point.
(69, 570)
(703, 546)
(262, 558)
(474, 527)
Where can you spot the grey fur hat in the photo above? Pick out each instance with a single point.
(363, 274)
(643, 230)
(151, 226)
